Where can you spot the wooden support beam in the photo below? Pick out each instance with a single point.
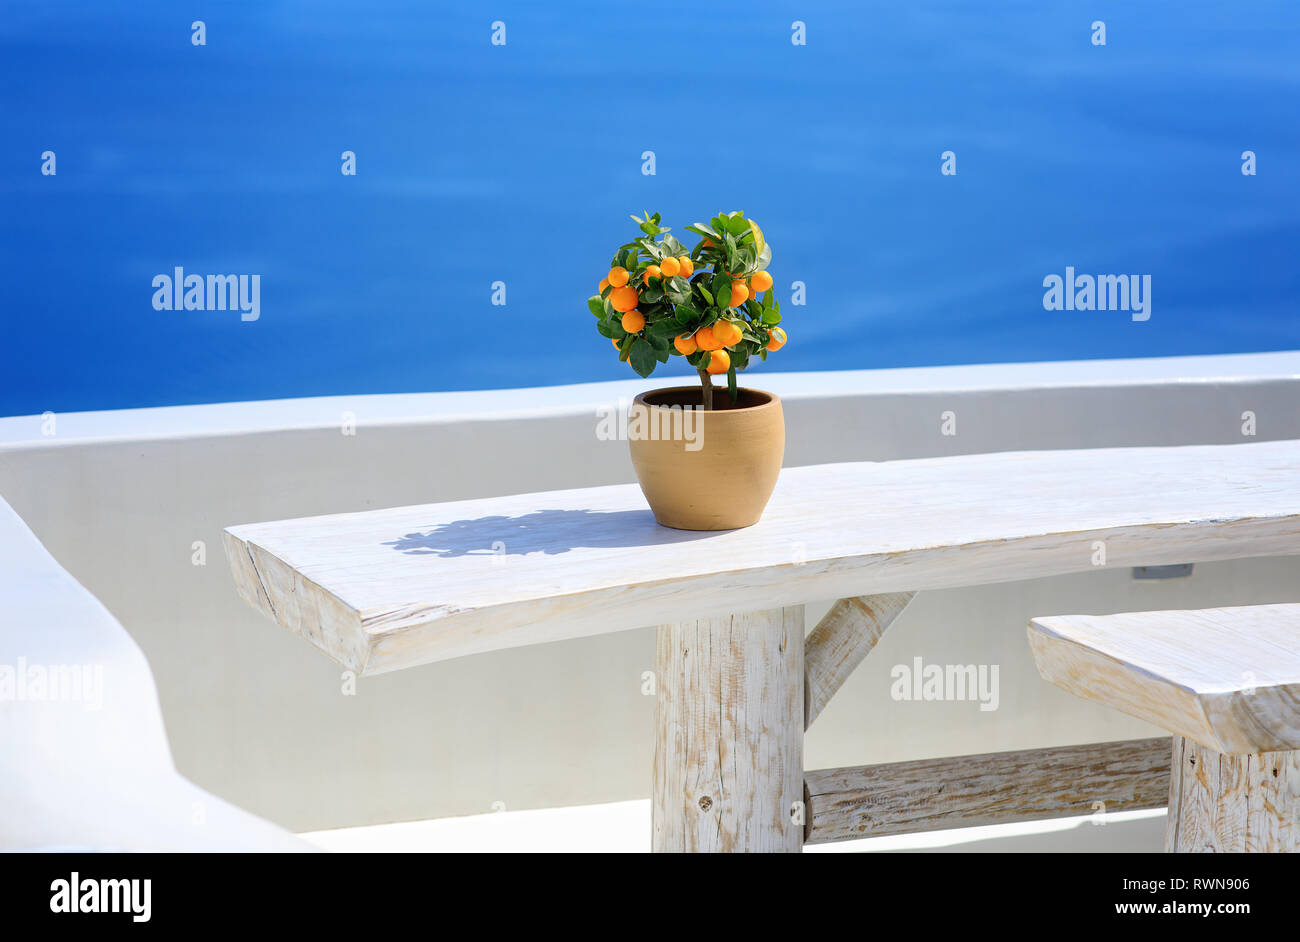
(728, 766)
(841, 640)
(1233, 804)
(995, 788)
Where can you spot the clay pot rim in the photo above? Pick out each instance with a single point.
(773, 400)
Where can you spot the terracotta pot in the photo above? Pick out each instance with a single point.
(707, 470)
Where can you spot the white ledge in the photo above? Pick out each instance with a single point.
(195, 421)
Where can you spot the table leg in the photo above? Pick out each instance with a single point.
(1233, 804)
(728, 767)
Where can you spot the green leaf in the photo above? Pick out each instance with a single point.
(596, 305)
(651, 249)
(737, 225)
(771, 318)
(643, 359)
(653, 293)
(678, 289)
(722, 290)
(708, 297)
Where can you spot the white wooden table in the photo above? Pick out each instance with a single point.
(737, 682)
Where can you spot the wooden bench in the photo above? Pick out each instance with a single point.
(737, 682)
(1226, 683)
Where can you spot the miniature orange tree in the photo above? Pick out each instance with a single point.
(660, 301)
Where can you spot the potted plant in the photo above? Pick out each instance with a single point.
(706, 458)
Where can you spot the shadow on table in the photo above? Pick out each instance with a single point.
(544, 531)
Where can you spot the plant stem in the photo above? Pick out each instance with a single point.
(706, 381)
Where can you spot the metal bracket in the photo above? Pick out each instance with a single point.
(1176, 571)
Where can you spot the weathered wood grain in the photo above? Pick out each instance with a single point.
(1233, 804)
(405, 586)
(994, 788)
(1228, 678)
(728, 766)
(841, 640)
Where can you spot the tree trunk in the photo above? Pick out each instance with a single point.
(706, 382)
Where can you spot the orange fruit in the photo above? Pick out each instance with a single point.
(604, 283)
(705, 340)
(614, 341)
(651, 272)
(776, 340)
(739, 292)
(623, 298)
(685, 345)
(760, 281)
(708, 243)
(670, 266)
(687, 266)
(720, 362)
(618, 276)
(633, 321)
(726, 332)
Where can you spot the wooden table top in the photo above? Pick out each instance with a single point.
(388, 589)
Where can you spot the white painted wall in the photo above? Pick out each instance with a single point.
(86, 766)
(257, 717)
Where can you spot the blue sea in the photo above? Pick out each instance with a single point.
(519, 162)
